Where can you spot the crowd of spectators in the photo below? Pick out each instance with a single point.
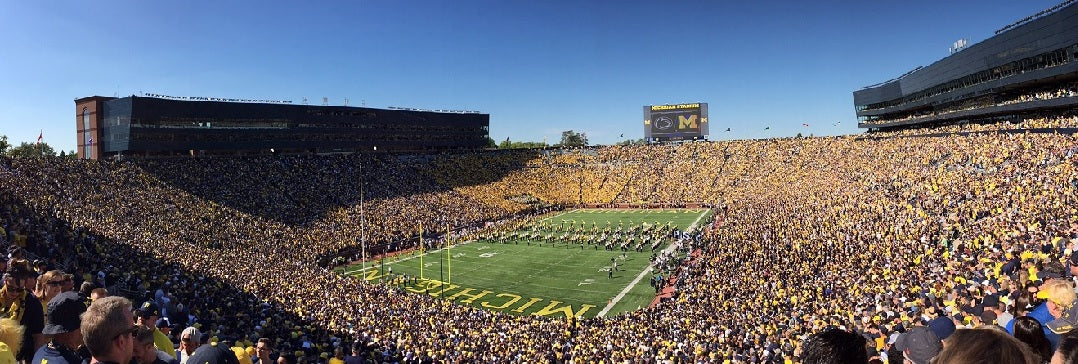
(872, 236)
(1068, 120)
(1038, 94)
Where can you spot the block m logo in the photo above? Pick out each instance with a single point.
(686, 123)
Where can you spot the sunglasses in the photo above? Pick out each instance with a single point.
(131, 332)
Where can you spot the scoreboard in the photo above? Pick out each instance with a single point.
(675, 122)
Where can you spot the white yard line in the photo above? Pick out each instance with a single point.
(563, 213)
(439, 250)
(640, 276)
(429, 252)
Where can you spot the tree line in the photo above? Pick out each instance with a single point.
(31, 150)
(569, 138)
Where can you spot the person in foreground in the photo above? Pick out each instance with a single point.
(984, 345)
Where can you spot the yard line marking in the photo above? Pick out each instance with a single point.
(562, 213)
(640, 276)
(429, 252)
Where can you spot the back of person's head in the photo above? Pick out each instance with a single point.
(98, 293)
(834, 346)
(103, 321)
(984, 345)
(85, 289)
(1029, 331)
(918, 345)
(144, 335)
(1067, 353)
(1023, 304)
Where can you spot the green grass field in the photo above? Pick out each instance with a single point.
(522, 279)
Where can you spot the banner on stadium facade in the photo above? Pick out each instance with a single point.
(221, 99)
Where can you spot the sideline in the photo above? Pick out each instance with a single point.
(640, 276)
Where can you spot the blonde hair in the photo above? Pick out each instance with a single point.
(1059, 291)
(43, 284)
(11, 334)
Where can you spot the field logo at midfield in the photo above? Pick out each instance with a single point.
(505, 302)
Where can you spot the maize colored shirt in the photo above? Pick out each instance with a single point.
(163, 343)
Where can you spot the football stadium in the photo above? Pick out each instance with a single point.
(944, 231)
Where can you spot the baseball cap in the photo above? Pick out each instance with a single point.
(148, 309)
(1066, 322)
(193, 333)
(164, 322)
(991, 301)
(64, 312)
(943, 327)
(1052, 270)
(919, 345)
(213, 354)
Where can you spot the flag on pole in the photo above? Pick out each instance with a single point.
(422, 250)
(727, 129)
(40, 136)
(449, 254)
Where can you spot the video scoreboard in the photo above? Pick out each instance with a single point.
(675, 122)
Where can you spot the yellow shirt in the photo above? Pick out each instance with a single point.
(163, 343)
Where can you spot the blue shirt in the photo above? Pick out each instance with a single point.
(1040, 314)
(55, 354)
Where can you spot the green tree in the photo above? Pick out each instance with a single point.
(570, 138)
(32, 150)
(491, 143)
(631, 142)
(4, 145)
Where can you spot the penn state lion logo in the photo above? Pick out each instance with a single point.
(664, 123)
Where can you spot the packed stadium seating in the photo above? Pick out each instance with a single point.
(812, 233)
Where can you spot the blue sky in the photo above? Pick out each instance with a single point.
(538, 67)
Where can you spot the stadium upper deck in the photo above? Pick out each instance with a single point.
(1025, 69)
(157, 126)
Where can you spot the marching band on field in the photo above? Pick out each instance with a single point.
(634, 237)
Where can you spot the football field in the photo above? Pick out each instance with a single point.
(545, 277)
